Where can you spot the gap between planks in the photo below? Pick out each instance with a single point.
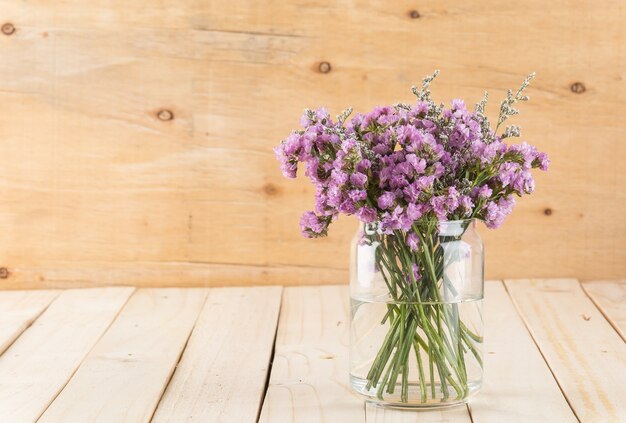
(222, 374)
(583, 351)
(18, 310)
(124, 375)
(40, 362)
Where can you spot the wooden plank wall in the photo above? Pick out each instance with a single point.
(135, 137)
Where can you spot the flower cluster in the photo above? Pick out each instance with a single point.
(402, 164)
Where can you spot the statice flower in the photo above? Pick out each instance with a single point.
(407, 163)
(412, 240)
(313, 225)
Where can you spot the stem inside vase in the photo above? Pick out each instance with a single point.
(431, 349)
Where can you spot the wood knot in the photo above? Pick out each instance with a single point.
(8, 28)
(165, 115)
(414, 14)
(324, 67)
(578, 88)
(270, 189)
(4, 273)
(547, 211)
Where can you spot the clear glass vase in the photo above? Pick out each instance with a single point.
(416, 314)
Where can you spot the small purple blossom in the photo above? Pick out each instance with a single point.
(484, 192)
(415, 276)
(465, 201)
(358, 179)
(366, 214)
(357, 195)
(412, 241)
(386, 200)
(312, 225)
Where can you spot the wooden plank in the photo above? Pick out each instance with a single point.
(376, 414)
(38, 365)
(610, 298)
(309, 377)
(516, 374)
(18, 310)
(124, 376)
(583, 351)
(85, 151)
(221, 376)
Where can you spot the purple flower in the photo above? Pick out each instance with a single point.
(541, 161)
(523, 182)
(452, 201)
(418, 164)
(366, 214)
(438, 205)
(334, 196)
(289, 169)
(466, 202)
(393, 221)
(386, 200)
(411, 192)
(458, 104)
(313, 225)
(357, 195)
(347, 207)
(506, 204)
(493, 215)
(438, 169)
(507, 173)
(322, 115)
(425, 182)
(414, 211)
(484, 192)
(358, 179)
(339, 177)
(415, 274)
(312, 169)
(363, 165)
(412, 241)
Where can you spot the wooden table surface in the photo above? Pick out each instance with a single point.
(554, 352)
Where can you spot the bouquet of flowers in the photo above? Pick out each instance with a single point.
(403, 171)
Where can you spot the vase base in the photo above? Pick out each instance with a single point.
(415, 400)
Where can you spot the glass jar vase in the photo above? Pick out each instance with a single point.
(416, 326)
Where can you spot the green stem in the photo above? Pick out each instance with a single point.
(418, 304)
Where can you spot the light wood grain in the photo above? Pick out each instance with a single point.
(610, 298)
(124, 376)
(18, 309)
(583, 351)
(221, 376)
(41, 361)
(376, 414)
(516, 374)
(169, 274)
(309, 377)
(93, 181)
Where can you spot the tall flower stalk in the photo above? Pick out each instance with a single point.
(405, 171)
